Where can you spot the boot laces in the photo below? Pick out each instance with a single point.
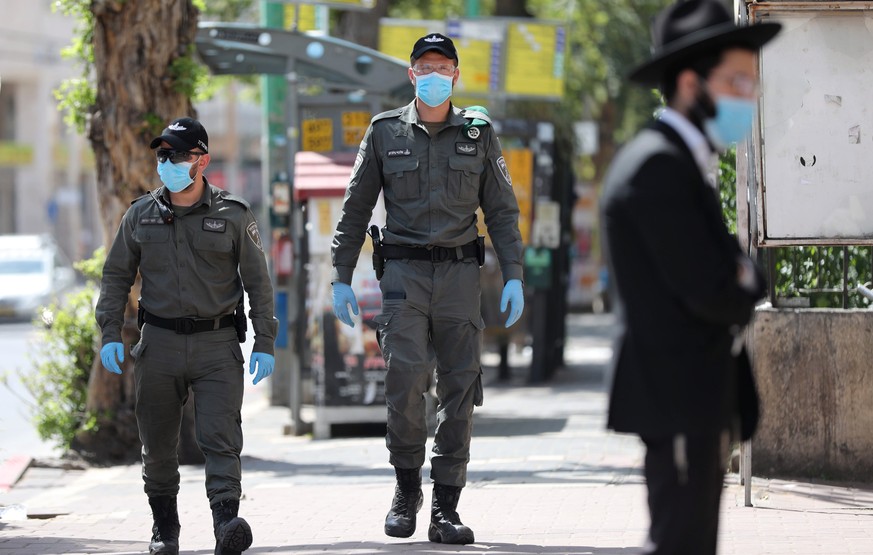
(403, 499)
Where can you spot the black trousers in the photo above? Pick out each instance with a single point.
(684, 499)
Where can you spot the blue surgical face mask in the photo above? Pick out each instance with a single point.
(434, 88)
(733, 121)
(175, 177)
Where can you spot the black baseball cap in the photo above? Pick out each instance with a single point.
(184, 134)
(437, 42)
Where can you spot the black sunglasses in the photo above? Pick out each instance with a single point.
(175, 156)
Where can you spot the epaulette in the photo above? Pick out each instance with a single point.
(395, 113)
(478, 116)
(230, 196)
(139, 198)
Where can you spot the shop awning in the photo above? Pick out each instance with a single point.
(322, 174)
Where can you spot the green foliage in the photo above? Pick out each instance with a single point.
(727, 187)
(187, 74)
(63, 359)
(815, 273)
(77, 96)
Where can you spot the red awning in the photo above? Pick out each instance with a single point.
(322, 174)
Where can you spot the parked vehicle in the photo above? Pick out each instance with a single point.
(33, 273)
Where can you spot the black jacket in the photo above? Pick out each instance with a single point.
(674, 269)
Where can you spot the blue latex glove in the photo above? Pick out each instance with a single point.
(343, 296)
(264, 364)
(110, 355)
(513, 295)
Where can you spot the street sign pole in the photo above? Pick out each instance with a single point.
(273, 162)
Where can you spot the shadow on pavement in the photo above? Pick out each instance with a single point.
(484, 426)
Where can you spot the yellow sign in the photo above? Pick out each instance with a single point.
(478, 73)
(317, 135)
(397, 40)
(307, 17)
(339, 4)
(519, 162)
(535, 59)
(15, 154)
(354, 126)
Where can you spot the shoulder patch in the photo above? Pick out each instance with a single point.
(252, 232)
(501, 164)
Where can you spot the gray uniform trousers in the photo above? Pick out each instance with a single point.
(211, 362)
(431, 318)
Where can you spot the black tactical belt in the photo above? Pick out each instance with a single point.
(435, 254)
(187, 326)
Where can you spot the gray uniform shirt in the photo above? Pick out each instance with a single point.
(432, 188)
(195, 267)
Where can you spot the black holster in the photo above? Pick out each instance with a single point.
(239, 321)
(140, 314)
(378, 259)
(480, 250)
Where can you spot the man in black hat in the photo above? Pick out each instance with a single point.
(685, 289)
(196, 248)
(436, 165)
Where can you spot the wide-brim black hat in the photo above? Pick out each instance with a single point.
(694, 26)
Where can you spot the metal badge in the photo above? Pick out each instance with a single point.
(473, 132)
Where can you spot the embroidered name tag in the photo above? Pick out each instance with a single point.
(215, 225)
(399, 152)
(151, 220)
(468, 149)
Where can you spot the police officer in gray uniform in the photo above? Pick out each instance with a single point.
(196, 247)
(435, 165)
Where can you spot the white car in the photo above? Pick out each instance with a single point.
(33, 273)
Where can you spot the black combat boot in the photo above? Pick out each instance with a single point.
(233, 535)
(445, 524)
(400, 522)
(165, 530)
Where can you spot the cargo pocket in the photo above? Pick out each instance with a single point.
(215, 250)
(401, 177)
(152, 241)
(478, 392)
(138, 350)
(236, 351)
(382, 319)
(464, 178)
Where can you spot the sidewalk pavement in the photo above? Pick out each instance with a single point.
(545, 477)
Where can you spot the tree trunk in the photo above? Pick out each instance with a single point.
(135, 44)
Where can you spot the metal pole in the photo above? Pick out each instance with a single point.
(272, 164)
(296, 297)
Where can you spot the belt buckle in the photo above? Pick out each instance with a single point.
(185, 326)
(439, 254)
